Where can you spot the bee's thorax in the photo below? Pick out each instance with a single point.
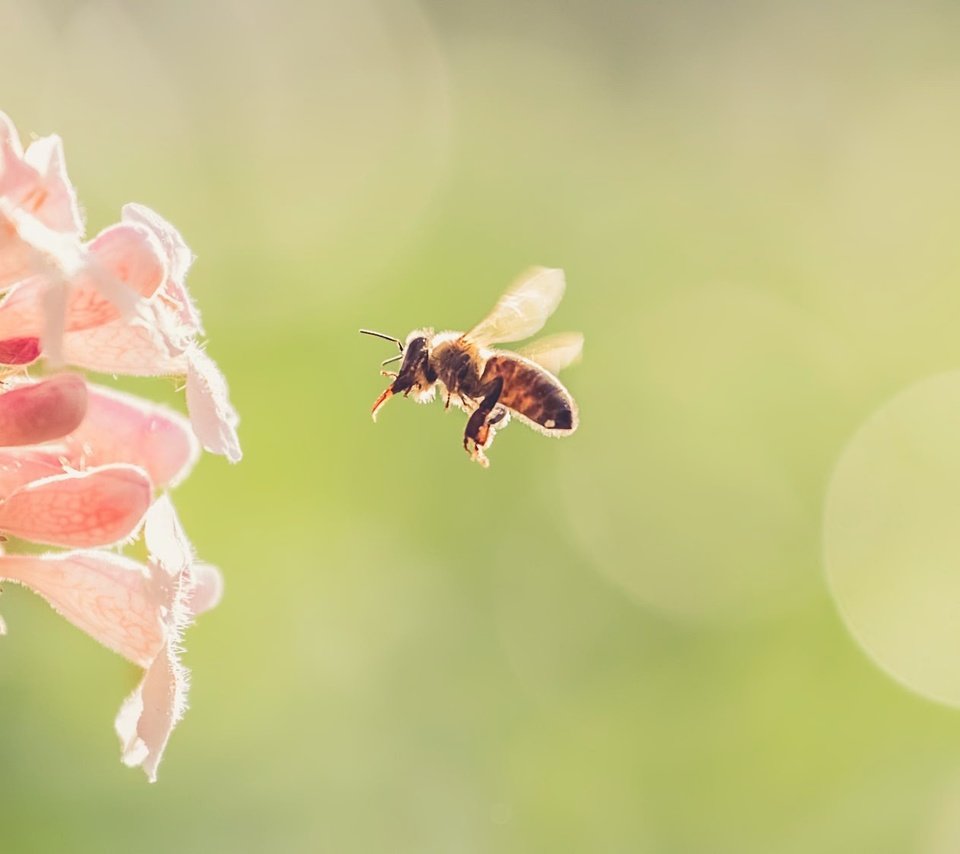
(458, 364)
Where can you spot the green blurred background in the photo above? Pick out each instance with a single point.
(622, 642)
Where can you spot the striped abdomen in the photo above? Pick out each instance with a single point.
(533, 393)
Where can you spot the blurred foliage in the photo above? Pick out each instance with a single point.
(621, 642)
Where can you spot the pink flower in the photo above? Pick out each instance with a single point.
(36, 184)
(39, 412)
(80, 465)
(117, 304)
(139, 611)
(40, 499)
(105, 427)
(87, 485)
(42, 259)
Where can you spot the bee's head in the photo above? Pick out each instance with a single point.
(415, 374)
(416, 357)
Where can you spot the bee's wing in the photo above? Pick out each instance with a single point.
(555, 352)
(523, 309)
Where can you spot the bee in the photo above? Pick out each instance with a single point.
(494, 385)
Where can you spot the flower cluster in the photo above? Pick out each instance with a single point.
(83, 468)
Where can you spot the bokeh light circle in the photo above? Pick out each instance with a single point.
(892, 537)
(703, 458)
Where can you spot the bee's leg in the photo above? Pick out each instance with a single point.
(497, 416)
(478, 433)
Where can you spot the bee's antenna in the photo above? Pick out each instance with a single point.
(392, 359)
(396, 341)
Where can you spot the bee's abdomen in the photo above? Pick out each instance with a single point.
(532, 392)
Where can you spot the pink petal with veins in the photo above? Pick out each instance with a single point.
(104, 594)
(78, 304)
(79, 510)
(23, 465)
(149, 714)
(40, 220)
(122, 255)
(133, 255)
(121, 265)
(54, 201)
(122, 428)
(133, 349)
(19, 351)
(213, 417)
(42, 411)
(37, 181)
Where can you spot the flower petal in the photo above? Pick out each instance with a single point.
(54, 201)
(134, 349)
(16, 257)
(125, 261)
(207, 588)
(21, 310)
(20, 466)
(104, 594)
(28, 247)
(169, 548)
(19, 351)
(121, 428)
(79, 510)
(213, 417)
(149, 714)
(107, 279)
(179, 258)
(37, 181)
(68, 287)
(42, 411)
(13, 174)
(53, 306)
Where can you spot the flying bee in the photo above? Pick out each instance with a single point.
(493, 385)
